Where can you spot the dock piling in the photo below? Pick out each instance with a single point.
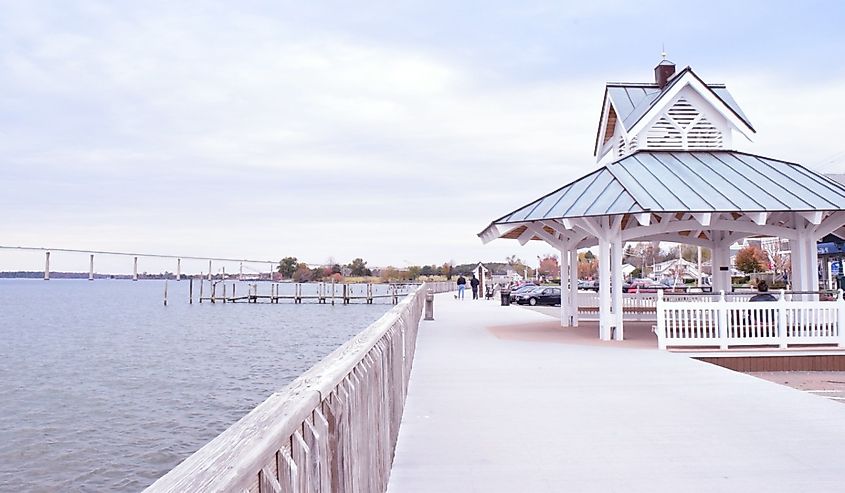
(91, 268)
(191, 291)
(47, 266)
(135, 269)
(165, 292)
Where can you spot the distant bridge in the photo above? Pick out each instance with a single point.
(272, 264)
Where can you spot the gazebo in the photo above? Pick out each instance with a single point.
(671, 176)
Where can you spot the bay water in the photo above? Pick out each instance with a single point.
(102, 388)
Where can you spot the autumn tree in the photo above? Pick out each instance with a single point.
(447, 270)
(414, 272)
(549, 266)
(751, 259)
(389, 273)
(587, 265)
(303, 273)
(287, 267)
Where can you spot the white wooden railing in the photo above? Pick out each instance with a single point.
(726, 323)
(333, 429)
(643, 306)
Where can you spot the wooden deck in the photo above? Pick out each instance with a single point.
(503, 399)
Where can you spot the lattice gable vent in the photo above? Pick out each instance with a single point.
(683, 126)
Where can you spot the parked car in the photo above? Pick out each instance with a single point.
(673, 284)
(540, 296)
(588, 285)
(584, 285)
(520, 290)
(644, 286)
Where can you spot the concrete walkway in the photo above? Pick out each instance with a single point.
(491, 409)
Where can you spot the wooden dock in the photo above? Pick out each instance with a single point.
(326, 293)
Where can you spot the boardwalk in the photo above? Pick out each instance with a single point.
(498, 403)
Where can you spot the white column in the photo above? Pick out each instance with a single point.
(714, 268)
(178, 269)
(699, 266)
(617, 286)
(135, 269)
(796, 256)
(721, 257)
(725, 246)
(47, 266)
(565, 298)
(604, 290)
(814, 263)
(573, 287)
(91, 268)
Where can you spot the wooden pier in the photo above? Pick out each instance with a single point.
(326, 293)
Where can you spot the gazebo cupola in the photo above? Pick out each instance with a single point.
(678, 111)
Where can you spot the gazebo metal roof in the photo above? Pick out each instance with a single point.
(687, 182)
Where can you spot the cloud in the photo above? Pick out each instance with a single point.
(393, 133)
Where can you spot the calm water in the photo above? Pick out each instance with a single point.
(104, 389)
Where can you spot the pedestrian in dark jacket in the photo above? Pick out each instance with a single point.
(462, 284)
(763, 293)
(474, 283)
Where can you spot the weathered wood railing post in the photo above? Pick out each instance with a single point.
(201, 283)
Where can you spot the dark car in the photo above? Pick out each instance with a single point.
(540, 296)
(521, 290)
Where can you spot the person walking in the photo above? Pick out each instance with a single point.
(473, 282)
(462, 284)
(763, 293)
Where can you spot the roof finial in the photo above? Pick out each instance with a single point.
(663, 50)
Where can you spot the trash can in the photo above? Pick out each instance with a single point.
(506, 297)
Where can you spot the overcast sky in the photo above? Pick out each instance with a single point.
(393, 131)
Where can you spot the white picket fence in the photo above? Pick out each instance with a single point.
(727, 323)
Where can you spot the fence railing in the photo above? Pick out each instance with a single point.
(726, 323)
(333, 429)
